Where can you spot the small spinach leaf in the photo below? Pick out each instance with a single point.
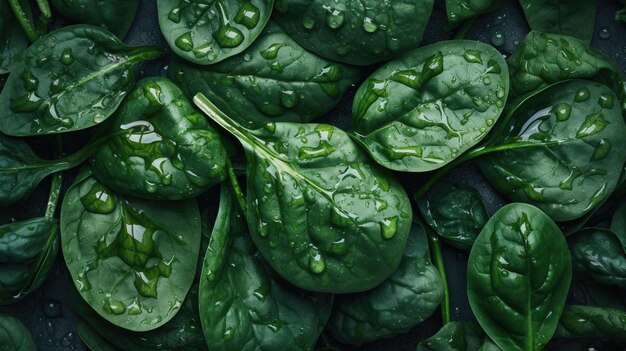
(115, 15)
(70, 79)
(12, 39)
(421, 111)
(560, 149)
(14, 335)
(207, 31)
(459, 11)
(132, 260)
(274, 80)
(458, 336)
(519, 272)
(575, 18)
(236, 281)
(591, 322)
(407, 298)
(321, 213)
(168, 151)
(454, 211)
(358, 32)
(601, 254)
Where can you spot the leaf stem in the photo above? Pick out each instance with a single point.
(24, 21)
(44, 7)
(55, 192)
(464, 29)
(435, 249)
(234, 183)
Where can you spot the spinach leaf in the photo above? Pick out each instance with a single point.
(115, 15)
(133, 261)
(169, 150)
(601, 254)
(575, 18)
(32, 26)
(589, 292)
(322, 215)
(274, 80)
(358, 32)
(70, 79)
(14, 336)
(456, 212)
(459, 11)
(591, 322)
(92, 339)
(236, 281)
(518, 275)
(421, 111)
(618, 224)
(208, 31)
(12, 38)
(407, 298)
(458, 336)
(559, 149)
(542, 59)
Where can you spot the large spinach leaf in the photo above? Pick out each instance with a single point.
(542, 59)
(115, 15)
(454, 211)
(322, 215)
(591, 322)
(560, 149)
(243, 304)
(407, 298)
(421, 111)
(518, 275)
(208, 31)
(169, 150)
(274, 80)
(70, 79)
(601, 254)
(132, 260)
(12, 38)
(575, 18)
(359, 32)
(459, 11)
(14, 336)
(458, 336)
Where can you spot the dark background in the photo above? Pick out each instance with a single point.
(48, 313)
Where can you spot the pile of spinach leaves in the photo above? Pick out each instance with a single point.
(316, 242)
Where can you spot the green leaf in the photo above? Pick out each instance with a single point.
(115, 15)
(575, 18)
(518, 275)
(207, 31)
(274, 80)
(321, 213)
(407, 298)
(165, 149)
(601, 254)
(14, 335)
(92, 339)
(69, 80)
(353, 31)
(243, 304)
(456, 212)
(458, 336)
(12, 38)
(542, 59)
(591, 322)
(459, 11)
(618, 224)
(132, 260)
(561, 149)
(423, 110)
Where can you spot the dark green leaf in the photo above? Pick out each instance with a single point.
(458, 336)
(600, 253)
(321, 213)
(407, 298)
(12, 39)
(14, 336)
(518, 275)
(359, 32)
(618, 224)
(591, 322)
(421, 111)
(460, 11)
(92, 339)
(208, 31)
(274, 80)
(70, 79)
(115, 15)
(575, 18)
(132, 260)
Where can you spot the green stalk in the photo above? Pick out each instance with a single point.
(435, 250)
(44, 7)
(22, 19)
(234, 183)
(464, 29)
(55, 192)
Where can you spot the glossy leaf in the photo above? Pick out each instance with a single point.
(407, 298)
(352, 31)
(207, 31)
(560, 149)
(243, 304)
(542, 59)
(601, 254)
(458, 336)
(168, 151)
(14, 335)
(456, 212)
(582, 322)
(459, 11)
(274, 80)
(115, 15)
(12, 38)
(423, 110)
(70, 79)
(322, 215)
(518, 275)
(133, 261)
(575, 18)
